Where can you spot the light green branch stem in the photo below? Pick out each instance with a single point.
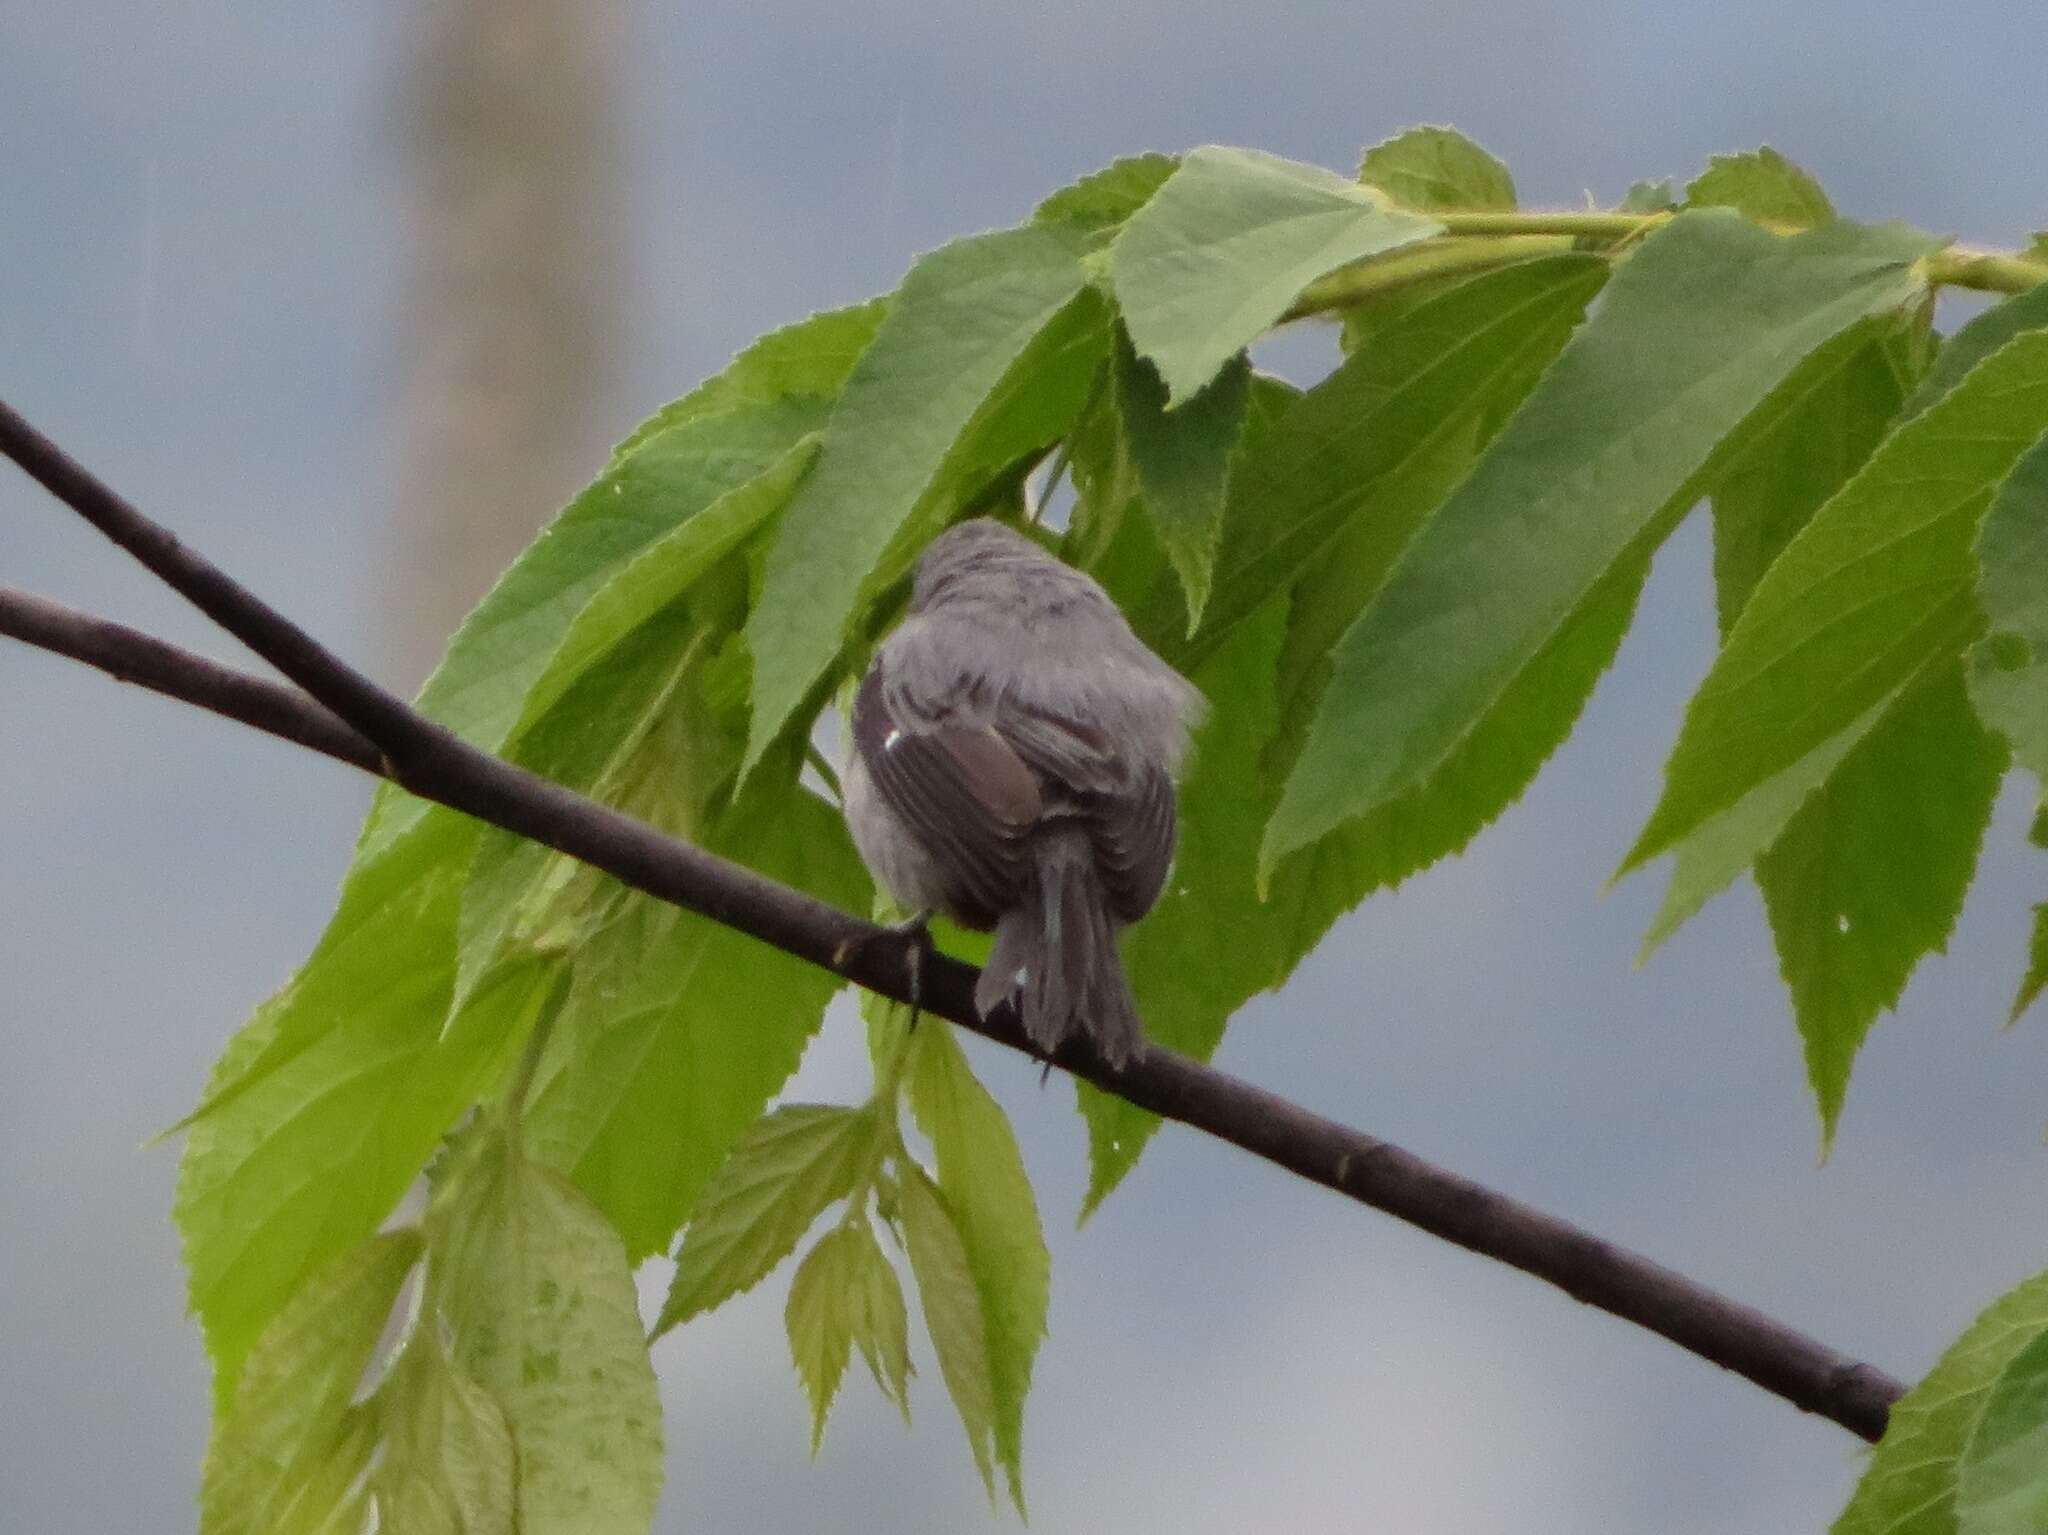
(1475, 242)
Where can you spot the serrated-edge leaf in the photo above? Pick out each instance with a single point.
(1103, 199)
(1436, 170)
(1221, 250)
(448, 1452)
(778, 1180)
(881, 1322)
(2002, 1477)
(1707, 318)
(2009, 670)
(820, 1321)
(1762, 185)
(953, 1315)
(2036, 979)
(1978, 340)
(963, 316)
(1909, 1487)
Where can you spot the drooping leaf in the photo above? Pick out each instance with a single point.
(1870, 875)
(1702, 323)
(989, 1197)
(1978, 340)
(2036, 979)
(671, 1043)
(1373, 448)
(346, 1083)
(535, 1290)
(1438, 170)
(1909, 1487)
(448, 1461)
(810, 358)
(1876, 589)
(963, 317)
(881, 1323)
(779, 1179)
(2009, 671)
(953, 1314)
(1221, 250)
(1763, 185)
(285, 1454)
(1182, 459)
(820, 1320)
(1099, 202)
(2002, 1477)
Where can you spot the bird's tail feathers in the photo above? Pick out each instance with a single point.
(1057, 958)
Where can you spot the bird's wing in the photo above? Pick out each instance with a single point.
(959, 788)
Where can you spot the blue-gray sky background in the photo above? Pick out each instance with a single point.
(203, 240)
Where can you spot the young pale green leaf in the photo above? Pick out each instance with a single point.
(810, 358)
(1707, 318)
(2036, 979)
(677, 1031)
(823, 1301)
(448, 1462)
(953, 1313)
(881, 1324)
(535, 1290)
(2009, 671)
(964, 316)
(785, 1170)
(1763, 185)
(2002, 1477)
(479, 691)
(1876, 589)
(285, 1453)
(1870, 875)
(1978, 340)
(1182, 459)
(989, 1194)
(330, 1101)
(1370, 451)
(1214, 259)
(1437, 170)
(1101, 201)
(1909, 1487)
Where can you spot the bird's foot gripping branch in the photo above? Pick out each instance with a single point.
(601, 901)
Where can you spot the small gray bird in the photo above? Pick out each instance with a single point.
(1013, 763)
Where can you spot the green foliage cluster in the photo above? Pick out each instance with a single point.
(1396, 588)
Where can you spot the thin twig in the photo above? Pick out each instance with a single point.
(435, 765)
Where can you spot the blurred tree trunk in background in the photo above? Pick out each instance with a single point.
(512, 304)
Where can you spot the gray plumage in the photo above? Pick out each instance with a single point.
(1013, 763)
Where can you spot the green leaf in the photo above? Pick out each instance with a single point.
(330, 1101)
(810, 358)
(953, 1314)
(535, 1290)
(479, 691)
(1702, 323)
(2037, 247)
(1648, 197)
(1764, 186)
(283, 1456)
(677, 1030)
(989, 1195)
(1438, 170)
(448, 1462)
(1218, 254)
(2036, 979)
(1909, 1487)
(2009, 671)
(780, 1177)
(965, 315)
(881, 1324)
(1100, 202)
(1978, 340)
(1182, 459)
(1875, 590)
(820, 1319)
(1870, 875)
(1370, 451)
(2002, 1477)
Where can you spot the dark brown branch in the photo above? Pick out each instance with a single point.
(435, 765)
